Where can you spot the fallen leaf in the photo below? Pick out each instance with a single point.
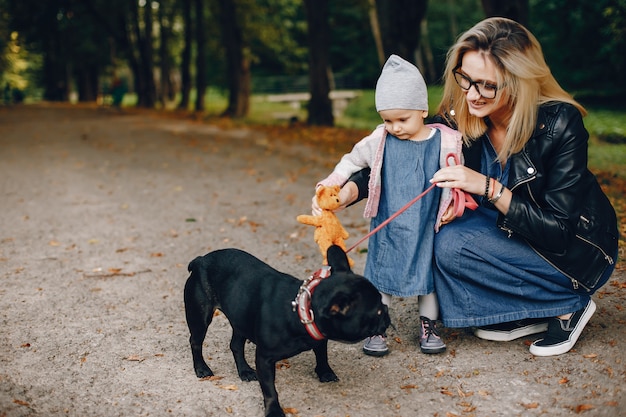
(584, 407)
(590, 355)
(464, 394)
(409, 386)
(135, 358)
(289, 410)
(54, 243)
(283, 364)
(529, 406)
(563, 380)
(229, 387)
(20, 402)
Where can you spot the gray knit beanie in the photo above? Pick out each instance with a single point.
(400, 86)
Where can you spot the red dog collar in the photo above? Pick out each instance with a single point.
(302, 302)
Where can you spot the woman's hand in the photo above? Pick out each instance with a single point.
(461, 177)
(468, 180)
(348, 194)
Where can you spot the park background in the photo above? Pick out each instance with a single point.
(277, 63)
(113, 177)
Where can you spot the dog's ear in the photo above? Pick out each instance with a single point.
(341, 304)
(337, 259)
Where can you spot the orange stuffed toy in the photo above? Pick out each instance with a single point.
(328, 229)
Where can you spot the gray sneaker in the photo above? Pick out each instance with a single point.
(430, 341)
(376, 346)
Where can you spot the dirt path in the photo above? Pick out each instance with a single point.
(100, 214)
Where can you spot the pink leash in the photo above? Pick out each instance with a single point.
(461, 200)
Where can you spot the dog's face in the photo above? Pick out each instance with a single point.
(351, 307)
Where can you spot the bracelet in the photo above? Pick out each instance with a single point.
(497, 196)
(492, 184)
(487, 181)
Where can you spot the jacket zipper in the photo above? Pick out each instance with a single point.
(575, 282)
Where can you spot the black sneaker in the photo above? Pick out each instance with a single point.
(511, 330)
(563, 334)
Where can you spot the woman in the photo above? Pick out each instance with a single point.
(545, 236)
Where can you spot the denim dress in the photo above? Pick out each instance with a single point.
(400, 255)
(484, 277)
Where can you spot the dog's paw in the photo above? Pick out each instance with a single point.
(328, 377)
(203, 371)
(248, 375)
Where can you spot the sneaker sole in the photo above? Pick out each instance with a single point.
(567, 345)
(502, 336)
(376, 353)
(434, 350)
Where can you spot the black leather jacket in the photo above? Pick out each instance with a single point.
(558, 206)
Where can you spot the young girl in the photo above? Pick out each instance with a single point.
(403, 154)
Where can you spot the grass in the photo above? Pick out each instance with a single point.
(607, 127)
(603, 124)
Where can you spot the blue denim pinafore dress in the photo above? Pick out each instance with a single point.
(400, 255)
(484, 277)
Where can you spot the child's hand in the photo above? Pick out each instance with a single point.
(348, 194)
(315, 208)
(448, 216)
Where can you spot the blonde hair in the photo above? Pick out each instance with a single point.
(520, 66)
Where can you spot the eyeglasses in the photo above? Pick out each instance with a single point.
(485, 89)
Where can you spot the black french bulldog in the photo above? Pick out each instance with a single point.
(281, 314)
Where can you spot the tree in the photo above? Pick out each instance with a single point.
(201, 64)
(185, 67)
(320, 106)
(237, 53)
(166, 16)
(141, 20)
(400, 23)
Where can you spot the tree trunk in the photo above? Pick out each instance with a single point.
(56, 79)
(517, 10)
(425, 58)
(185, 66)
(201, 67)
(400, 22)
(87, 82)
(378, 40)
(320, 106)
(165, 81)
(144, 78)
(237, 61)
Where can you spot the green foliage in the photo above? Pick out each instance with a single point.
(277, 37)
(584, 43)
(446, 21)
